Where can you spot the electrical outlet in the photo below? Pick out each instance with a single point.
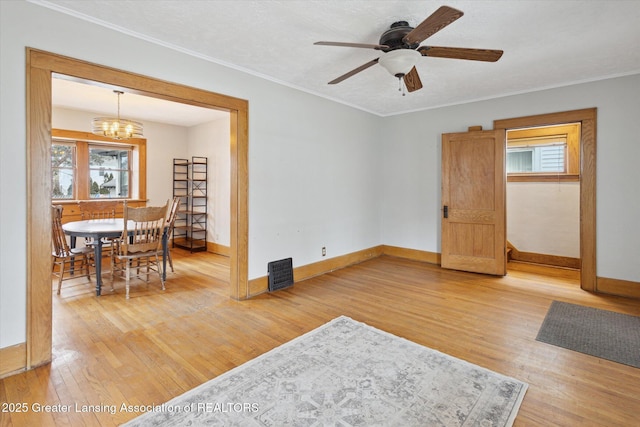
(324, 251)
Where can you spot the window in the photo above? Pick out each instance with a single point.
(86, 166)
(537, 158)
(109, 171)
(63, 159)
(545, 153)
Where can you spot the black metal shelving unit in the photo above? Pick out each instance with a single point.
(190, 184)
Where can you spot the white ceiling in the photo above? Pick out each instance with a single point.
(100, 99)
(546, 43)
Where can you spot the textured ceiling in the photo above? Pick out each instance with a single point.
(100, 99)
(546, 43)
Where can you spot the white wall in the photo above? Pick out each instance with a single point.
(412, 152)
(211, 140)
(313, 179)
(544, 217)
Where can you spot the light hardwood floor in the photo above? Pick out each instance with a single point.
(109, 351)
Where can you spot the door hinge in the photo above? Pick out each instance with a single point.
(445, 211)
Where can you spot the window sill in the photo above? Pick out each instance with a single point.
(75, 202)
(543, 177)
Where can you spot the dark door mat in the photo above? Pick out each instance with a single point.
(601, 333)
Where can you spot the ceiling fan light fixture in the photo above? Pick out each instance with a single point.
(400, 61)
(116, 127)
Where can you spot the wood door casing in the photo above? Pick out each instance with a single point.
(588, 135)
(473, 192)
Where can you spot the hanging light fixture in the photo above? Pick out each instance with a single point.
(115, 127)
(399, 63)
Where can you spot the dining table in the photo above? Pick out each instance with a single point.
(100, 229)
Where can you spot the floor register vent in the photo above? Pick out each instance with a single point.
(280, 274)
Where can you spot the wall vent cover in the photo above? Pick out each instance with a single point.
(280, 274)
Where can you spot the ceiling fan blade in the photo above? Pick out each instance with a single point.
(362, 45)
(354, 71)
(439, 19)
(488, 55)
(412, 80)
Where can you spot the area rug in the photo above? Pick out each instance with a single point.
(346, 373)
(601, 333)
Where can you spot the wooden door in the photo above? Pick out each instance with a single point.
(473, 202)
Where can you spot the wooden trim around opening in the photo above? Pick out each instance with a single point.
(40, 66)
(587, 118)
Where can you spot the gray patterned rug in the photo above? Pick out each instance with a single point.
(601, 333)
(346, 373)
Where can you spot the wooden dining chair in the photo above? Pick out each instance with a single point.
(141, 241)
(99, 209)
(173, 213)
(78, 259)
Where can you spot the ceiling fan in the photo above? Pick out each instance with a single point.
(402, 50)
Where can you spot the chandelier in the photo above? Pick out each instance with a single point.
(115, 127)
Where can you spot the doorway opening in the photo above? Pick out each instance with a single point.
(587, 179)
(543, 195)
(40, 68)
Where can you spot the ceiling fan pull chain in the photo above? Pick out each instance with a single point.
(400, 87)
